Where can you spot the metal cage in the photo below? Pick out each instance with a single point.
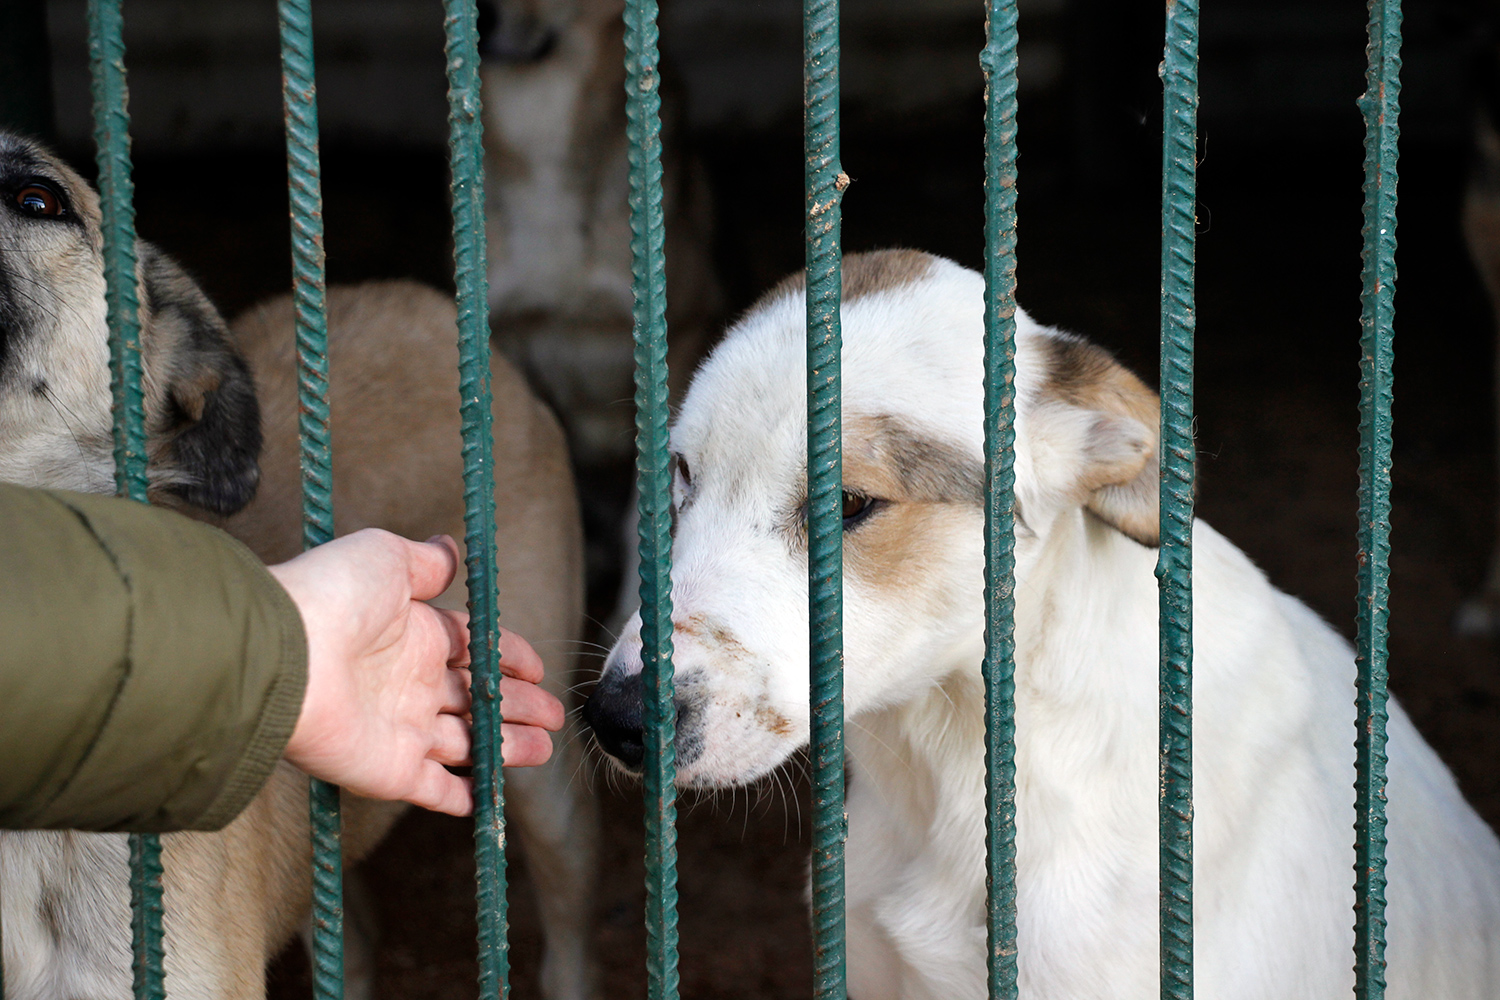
(825, 183)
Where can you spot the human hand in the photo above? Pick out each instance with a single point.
(387, 679)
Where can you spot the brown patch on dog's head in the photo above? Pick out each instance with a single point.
(1119, 483)
(863, 274)
(886, 457)
(922, 491)
(201, 400)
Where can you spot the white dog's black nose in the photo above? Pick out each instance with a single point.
(614, 713)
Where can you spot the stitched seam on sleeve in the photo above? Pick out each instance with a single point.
(114, 700)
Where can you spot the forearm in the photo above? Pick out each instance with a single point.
(151, 670)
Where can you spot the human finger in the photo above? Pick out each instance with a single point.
(524, 746)
(451, 741)
(431, 565)
(440, 790)
(456, 626)
(518, 659)
(457, 694)
(525, 703)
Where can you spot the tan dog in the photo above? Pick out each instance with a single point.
(559, 225)
(393, 359)
(235, 896)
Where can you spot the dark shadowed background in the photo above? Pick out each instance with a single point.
(1278, 300)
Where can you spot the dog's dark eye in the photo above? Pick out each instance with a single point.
(39, 200)
(682, 468)
(856, 508)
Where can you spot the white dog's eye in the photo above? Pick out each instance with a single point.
(856, 508)
(682, 482)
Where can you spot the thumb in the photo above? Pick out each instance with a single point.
(431, 566)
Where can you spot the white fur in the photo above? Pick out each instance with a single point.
(1273, 699)
(51, 437)
(81, 879)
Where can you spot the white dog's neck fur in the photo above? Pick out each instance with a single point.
(919, 773)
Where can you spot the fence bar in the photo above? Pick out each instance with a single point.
(654, 484)
(1174, 568)
(299, 97)
(999, 62)
(466, 160)
(1380, 104)
(825, 184)
(116, 196)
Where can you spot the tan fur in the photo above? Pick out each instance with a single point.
(393, 365)
(925, 491)
(863, 274)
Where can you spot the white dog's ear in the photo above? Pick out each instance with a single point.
(1124, 468)
(1101, 424)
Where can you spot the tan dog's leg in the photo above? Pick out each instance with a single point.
(540, 554)
(398, 465)
(557, 822)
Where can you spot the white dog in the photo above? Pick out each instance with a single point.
(1273, 686)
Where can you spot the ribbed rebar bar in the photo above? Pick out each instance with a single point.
(999, 62)
(1380, 104)
(466, 160)
(147, 942)
(1174, 567)
(116, 198)
(825, 183)
(653, 479)
(304, 185)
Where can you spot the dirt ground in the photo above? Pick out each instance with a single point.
(1277, 429)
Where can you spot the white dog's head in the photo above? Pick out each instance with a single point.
(913, 474)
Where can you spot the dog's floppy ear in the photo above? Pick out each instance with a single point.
(200, 397)
(1113, 420)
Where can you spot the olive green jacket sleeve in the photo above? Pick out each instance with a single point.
(151, 669)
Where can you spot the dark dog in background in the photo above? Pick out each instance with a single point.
(1480, 614)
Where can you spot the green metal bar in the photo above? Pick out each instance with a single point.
(300, 102)
(825, 184)
(1174, 567)
(466, 161)
(147, 951)
(653, 478)
(1380, 104)
(116, 196)
(999, 62)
